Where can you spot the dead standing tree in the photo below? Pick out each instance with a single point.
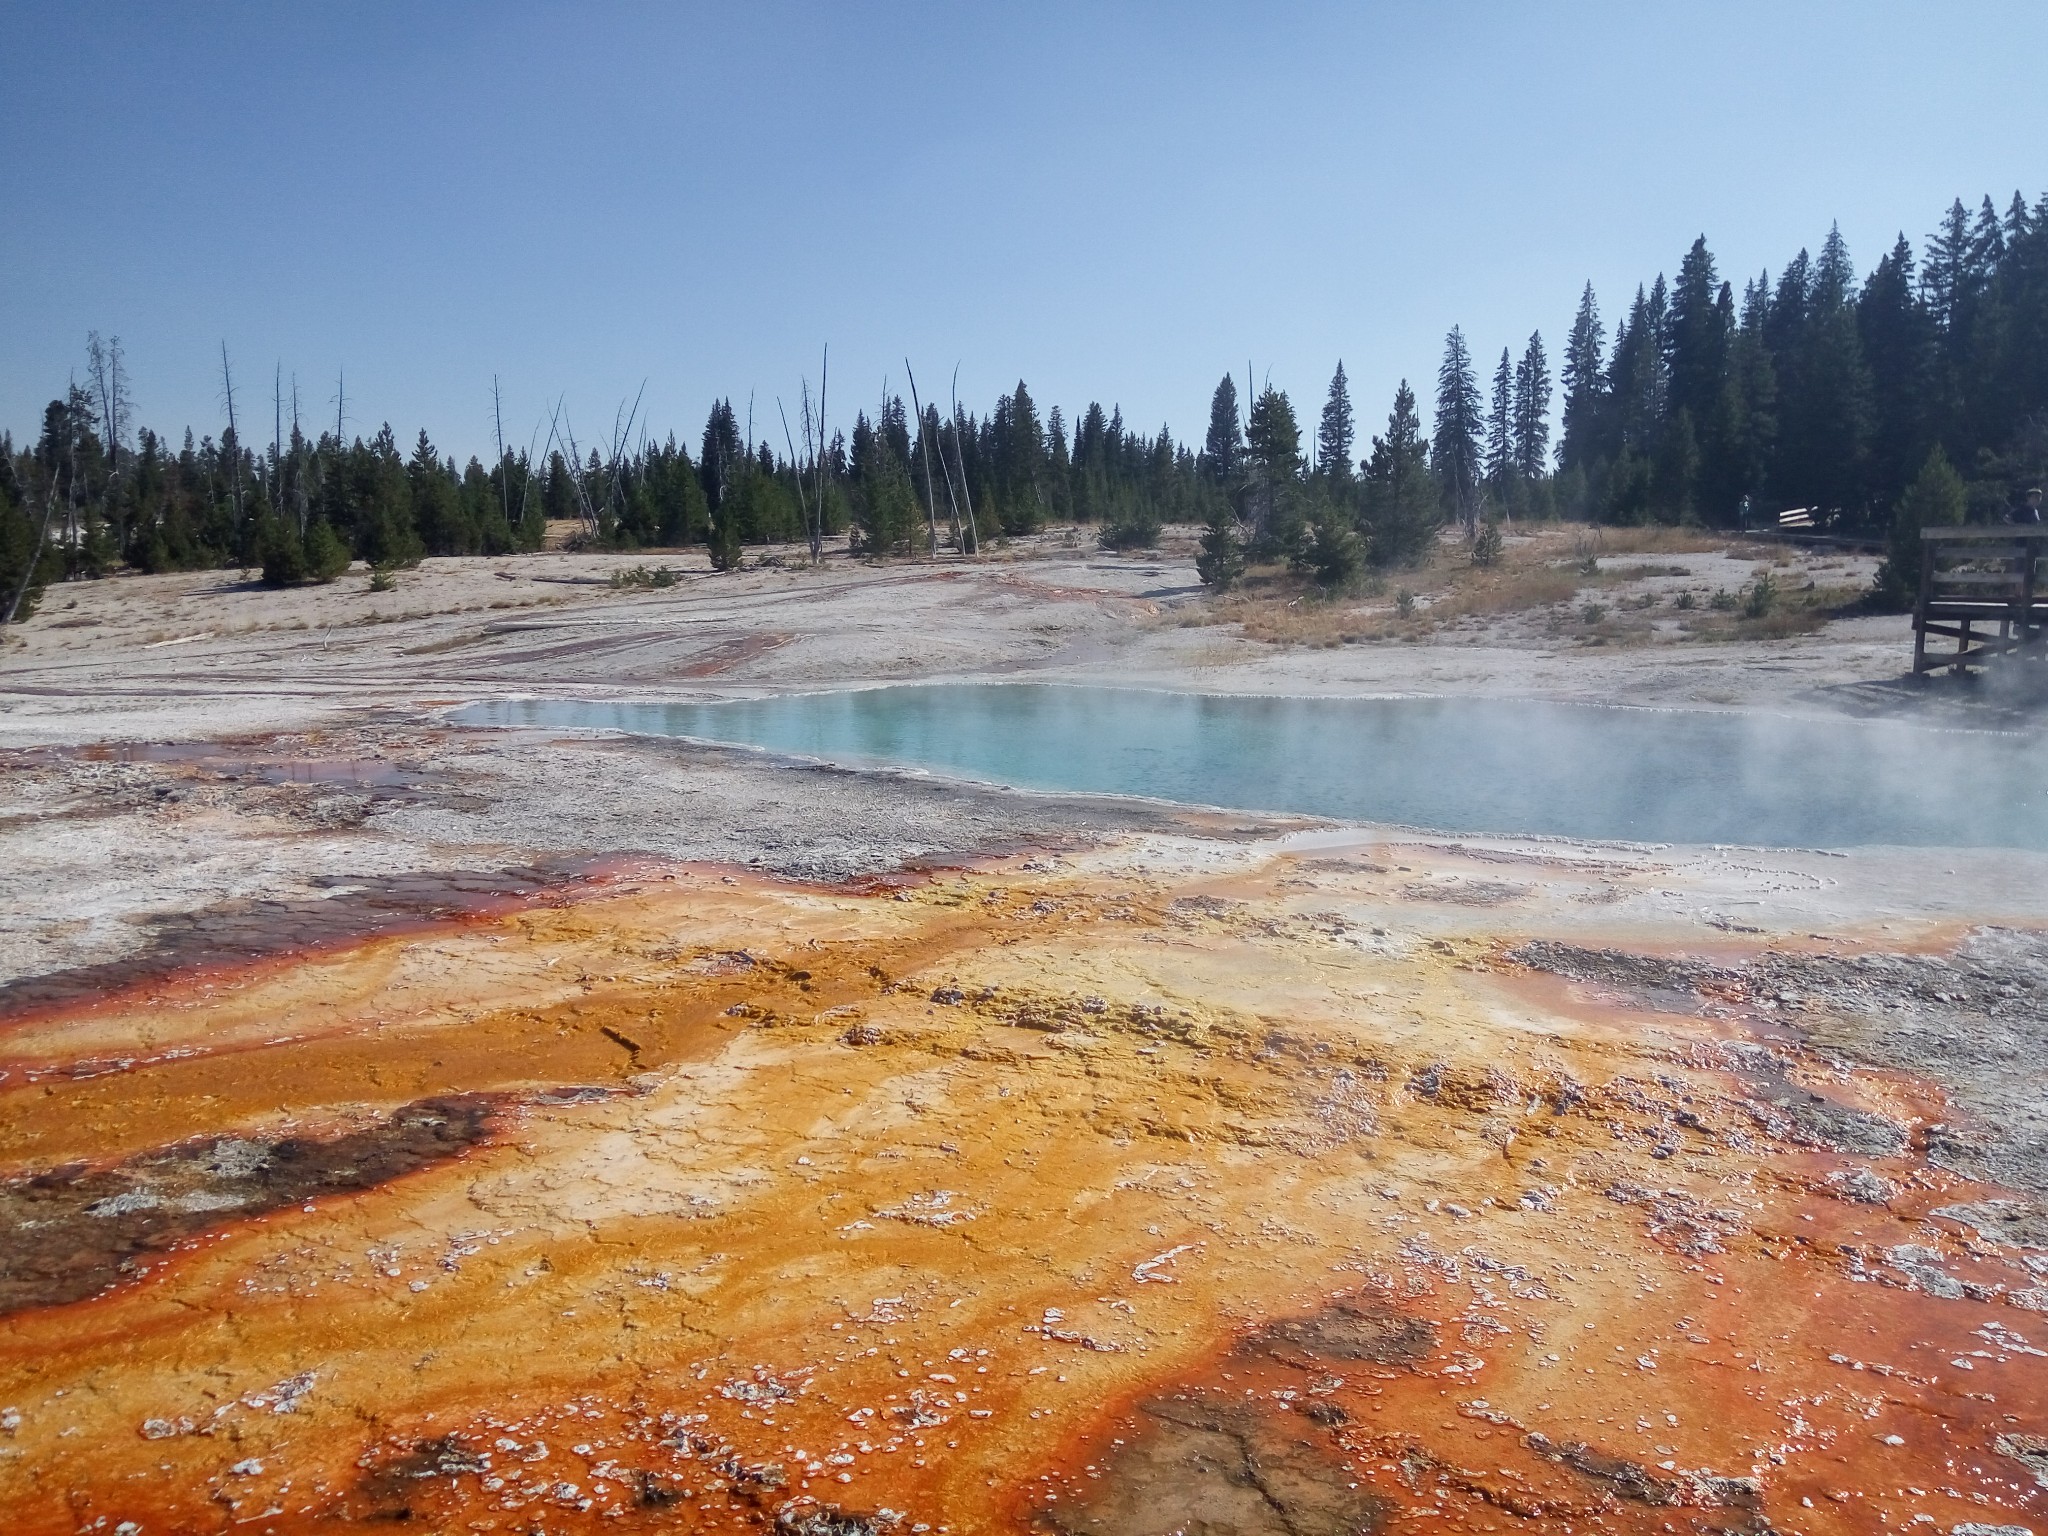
(818, 538)
(959, 438)
(814, 524)
(35, 552)
(931, 506)
(797, 470)
(110, 383)
(505, 469)
(300, 505)
(504, 473)
(612, 467)
(277, 438)
(946, 470)
(561, 433)
(234, 457)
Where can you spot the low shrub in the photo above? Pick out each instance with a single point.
(641, 576)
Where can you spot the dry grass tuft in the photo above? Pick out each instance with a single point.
(1553, 575)
(1596, 542)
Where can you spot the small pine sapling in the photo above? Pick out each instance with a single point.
(1486, 549)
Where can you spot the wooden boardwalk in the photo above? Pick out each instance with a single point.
(1984, 589)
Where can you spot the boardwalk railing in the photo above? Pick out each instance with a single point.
(1985, 589)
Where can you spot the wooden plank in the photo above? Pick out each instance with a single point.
(1980, 604)
(2028, 532)
(1982, 643)
(2013, 579)
(1961, 611)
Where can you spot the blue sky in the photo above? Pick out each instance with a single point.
(1114, 203)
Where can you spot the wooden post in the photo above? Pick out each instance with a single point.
(2028, 628)
(1920, 607)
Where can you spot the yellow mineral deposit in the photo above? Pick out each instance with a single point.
(1179, 1186)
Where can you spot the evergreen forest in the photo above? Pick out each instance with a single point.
(1915, 391)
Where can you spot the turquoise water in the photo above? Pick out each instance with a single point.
(1455, 765)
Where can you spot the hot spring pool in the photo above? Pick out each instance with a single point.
(1453, 765)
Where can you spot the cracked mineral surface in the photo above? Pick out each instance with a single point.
(1182, 1182)
(542, 1132)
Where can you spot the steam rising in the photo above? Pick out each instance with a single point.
(1455, 765)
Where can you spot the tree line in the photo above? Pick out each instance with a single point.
(1817, 390)
(1919, 392)
(90, 495)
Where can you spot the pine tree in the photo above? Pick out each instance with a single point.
(2018, 225)
(1825, 419)
(1834, 277)
(1987, 245)
(1500, 427)
(1937, 498)
(1220, 562)
(1944, 275)
(1223, 448)
(1675, 476)
(1091, 460)
(885, 507)
(1786, 314)
(1338, 432)
(1020, 464)
(382, 497)
(1696, 341)
(326, 555)
(1334, 554)
(719, 459)
(1898, 340)
(1059, 467)
(1273, 465)
(1635, 377)
(1402, 504)
(1737, 435)
(27, 560)
(1454, 448)
(435, 510)
(1585, 383)
(1532, 410)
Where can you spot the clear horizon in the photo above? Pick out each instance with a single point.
(1116, 209)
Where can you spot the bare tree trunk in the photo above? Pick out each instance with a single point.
(35, 556)
(952, 503)
(575, 463)
(498, 425)
(803, 505)
(103, 359)
(235, 466)
(812, 524)
(117, 400)
(824, 373)
(277, 438)
(299, 499)
(931, 506)
(526, 473)
(97, 365)
(960, 455)
(71, 532)
(612, 499)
